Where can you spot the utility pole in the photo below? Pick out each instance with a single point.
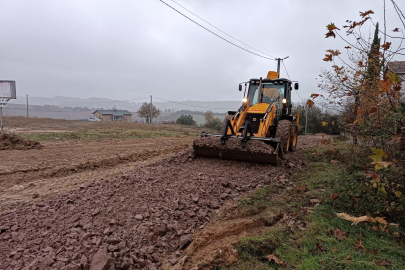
(1, 121)
(306, 118)
(27, 106)
(151, 111)
(278, 64)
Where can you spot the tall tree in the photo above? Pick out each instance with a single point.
(144, 111)
(374, 65)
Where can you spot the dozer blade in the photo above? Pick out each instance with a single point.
(255, 150)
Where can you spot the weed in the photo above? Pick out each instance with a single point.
(317, 246)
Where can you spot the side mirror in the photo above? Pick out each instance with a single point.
(296, 86)
(240, 87)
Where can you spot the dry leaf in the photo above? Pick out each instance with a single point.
(386, 46)
(315, 152)
(321, 248)
(375, 228)
(339, 234)
(384, 262)
(314, 201)
(334, 196)
(396, 139)
(359, 244)
(310, 103)
(381, 220)
(397, 234)
(355, 220)
(333, 250)
(334, 161)
(328, 58)
(275, 259)
(373, 175)
(348, 258)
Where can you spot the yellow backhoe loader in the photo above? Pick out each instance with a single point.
(265, 115)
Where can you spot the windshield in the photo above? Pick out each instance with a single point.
(272, 92)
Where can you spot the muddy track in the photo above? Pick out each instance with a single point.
(138, 218)
(134, 220)
(50, 171)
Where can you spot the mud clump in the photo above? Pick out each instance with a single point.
(15, 142)
(252, 146)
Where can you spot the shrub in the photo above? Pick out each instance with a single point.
(185, 120)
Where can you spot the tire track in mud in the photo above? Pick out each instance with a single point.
(137, 219)
(49, 171)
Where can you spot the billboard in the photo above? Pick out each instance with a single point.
(8, 90)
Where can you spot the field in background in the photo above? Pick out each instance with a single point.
(47, 129)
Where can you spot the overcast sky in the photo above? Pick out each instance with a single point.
(135, 48)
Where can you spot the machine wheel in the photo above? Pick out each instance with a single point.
(284, 133)
(294, 137)
(223, 123)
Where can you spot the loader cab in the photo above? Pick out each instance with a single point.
(276, 91)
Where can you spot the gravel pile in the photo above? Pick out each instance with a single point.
(130, 222)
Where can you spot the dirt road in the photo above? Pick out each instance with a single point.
(131, 221)
(63, 165)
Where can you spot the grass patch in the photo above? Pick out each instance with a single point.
(317, 247)
(45, 129)
(97, 135)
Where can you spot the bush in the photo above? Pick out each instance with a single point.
(185, 120)
(211, 122)
(383, 195)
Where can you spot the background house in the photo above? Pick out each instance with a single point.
(398, 67)
(113, 115)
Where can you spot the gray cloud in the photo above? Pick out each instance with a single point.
(133, 48)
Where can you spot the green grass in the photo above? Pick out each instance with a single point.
(97, 135)
(298, 248)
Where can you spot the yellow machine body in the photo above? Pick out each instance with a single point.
(273, 125)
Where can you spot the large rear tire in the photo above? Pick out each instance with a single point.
(294, 137)
(284, 133)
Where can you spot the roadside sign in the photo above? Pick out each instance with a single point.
(8, 90)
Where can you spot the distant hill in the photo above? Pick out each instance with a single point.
(79, 113)
(104, 103)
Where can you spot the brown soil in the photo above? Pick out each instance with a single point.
(136, 218)
(65, 165)
(15, 142)
(311, 141)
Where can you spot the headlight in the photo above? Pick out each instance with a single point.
(244, 100)
(284, 101)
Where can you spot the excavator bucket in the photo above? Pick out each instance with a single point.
(256, 149)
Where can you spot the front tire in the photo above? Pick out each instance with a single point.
(294, 137)
(284, 133)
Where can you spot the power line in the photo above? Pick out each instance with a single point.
(285, 68)
(230, 42)
(192, 105)
(223, 31)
